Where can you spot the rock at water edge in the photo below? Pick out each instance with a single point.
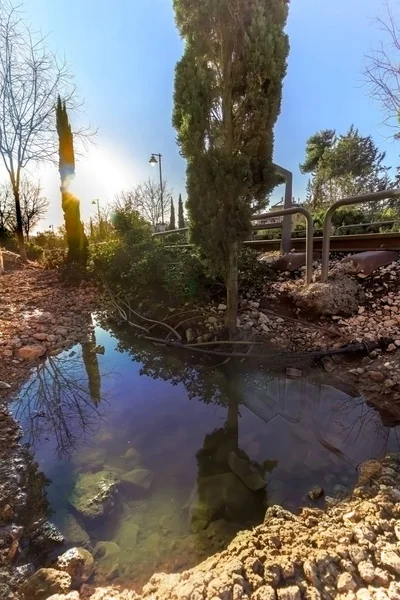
(78, 563)
(141, 478)
(93, 494)
(44, 583)
(250, 476)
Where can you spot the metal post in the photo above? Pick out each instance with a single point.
(371, 197)
(309, 232)
(286, 240)
(161, 191)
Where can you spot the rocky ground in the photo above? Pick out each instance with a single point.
(351, 551)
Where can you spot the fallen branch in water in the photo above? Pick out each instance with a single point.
(121, 311)
(352, 348)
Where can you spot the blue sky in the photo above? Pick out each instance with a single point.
(123, 55)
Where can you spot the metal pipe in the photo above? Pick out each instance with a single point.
(309, 232)
(170, 231)
(287, 221)
(371, 197)
(366, 225)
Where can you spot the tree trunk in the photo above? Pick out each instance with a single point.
(20, 230)
(232, 290)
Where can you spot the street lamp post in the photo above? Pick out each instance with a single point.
(97, 201)
(153, 161)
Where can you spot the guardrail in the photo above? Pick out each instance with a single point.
(371, 197)
(309, 232)
(366, 225)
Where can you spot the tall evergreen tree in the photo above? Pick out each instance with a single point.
(228, 89)
(172, 216)
(181, 216)
(76, 238)
(344, 165)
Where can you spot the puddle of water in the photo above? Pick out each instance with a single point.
(156, 463)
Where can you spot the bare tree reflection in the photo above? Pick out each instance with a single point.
(58, 403)
(91, 363)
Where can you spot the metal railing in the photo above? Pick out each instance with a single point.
(375, 223)
(371, 197)
(309, 232)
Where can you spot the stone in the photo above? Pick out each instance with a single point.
(222, 307)
(78, 563)
(265, 592)
(45, 537)
(376, 376)
(289, 593)
(73, 531)
(93, 494)
(394, 591)
(346, 583)
(98, 350)
(381, 577)
(31, 353)
(315, 492)
(391, 559)
(219, 494)
(250, 476)
(367, 571)
(190, 335)
(310, 571)
(91, 460)
(71, 596)
(328, 364)
(4, 385)
(132, 458)
(363, 594)
(295, 373)
(391, 348)
(42, 337)
(357, 554)
(106, 550)
(212, 320)
(44, 583)
(341, 294)
(127, 534)
(140, 478)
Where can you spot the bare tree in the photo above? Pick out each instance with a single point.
(30, 79)
(34, 205)
(382, 72)
(147, 199)
(6, 208)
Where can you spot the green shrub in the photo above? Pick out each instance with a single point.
(33, 251)
(253, 273)
(54, 258)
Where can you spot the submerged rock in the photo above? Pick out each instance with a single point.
(44, 583)
(218, 495)
(93, 494)
(107, 559)
(78, 563)
(73, 531)
(243, 468)
(315, 492)
(46, 537)
(133, 458)
(91, 460)
(127, 534)
(141, 478)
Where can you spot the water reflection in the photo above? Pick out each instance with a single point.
(61, 401)
(184, 476)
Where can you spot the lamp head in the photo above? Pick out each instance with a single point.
(153, 161)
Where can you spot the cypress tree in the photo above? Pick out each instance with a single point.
(181, 216)
(172, 216)
(228, 90)
(76, 238)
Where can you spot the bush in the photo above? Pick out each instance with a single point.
(253, 273)
(55, 258)
(33, 251)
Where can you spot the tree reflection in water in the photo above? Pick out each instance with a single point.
(62, 401)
